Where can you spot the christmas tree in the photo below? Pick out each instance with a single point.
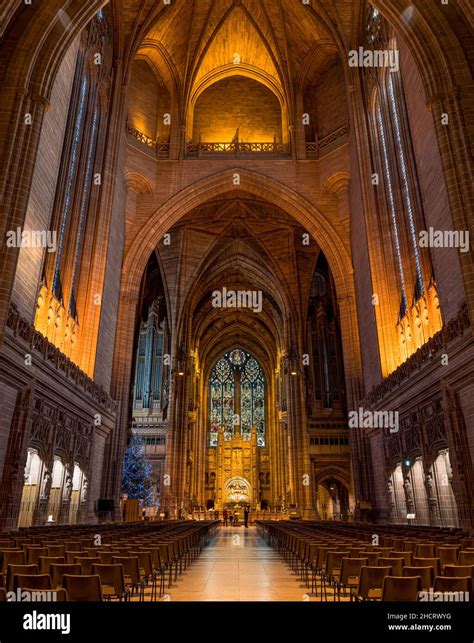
(136, 479)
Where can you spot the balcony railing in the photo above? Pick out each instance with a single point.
(161, 149)
(236, 149)
(315, 148)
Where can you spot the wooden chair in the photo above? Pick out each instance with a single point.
(12, 557)
(371, 583)
(45, 562)
(112, 581)
(58, 570)
(332, 570)
(425, 573)
(147, 574)
(32, 582)
(131, 571)
(18, 569)
(466, 558)
(396, 565)
(447, 555)
(349, 575)
(401, 588)
(56, 550)
(83, 588)
(459, 570)
(425, 562)
(453, 584)
(425, 550)
(86, 564)
(34, 554)
(406, 555)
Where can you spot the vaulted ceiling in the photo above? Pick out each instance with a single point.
(240, 243)
(191, 43)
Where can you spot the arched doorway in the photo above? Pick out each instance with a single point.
(55, 495)
(31, 487)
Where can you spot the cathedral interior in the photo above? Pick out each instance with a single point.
(236, 233)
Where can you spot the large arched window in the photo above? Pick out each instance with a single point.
(402, 270)
(237, 397)
(64, 301)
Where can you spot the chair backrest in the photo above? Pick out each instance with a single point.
(372, 557)
(371, 580)
(83, 588)
(350, 570)
(18, 569)
(459, 570)
(32, 582)
(112, 576)
(145, 561)
(406, 555)
(86, 563)
(425, 573)
(425, 562)
(59, 570)
(396, 564)
(56, 550)
(12, 557)
(453, 584)
(106, 557)
(34, 554)
(447, 555)
(425, 550)
(401, 588)
(130, 567)
(466, 558)
(333, 561)
(45, 562)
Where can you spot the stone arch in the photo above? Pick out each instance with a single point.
(261, 186)
(257, 185)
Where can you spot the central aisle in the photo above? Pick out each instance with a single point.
(238, 566)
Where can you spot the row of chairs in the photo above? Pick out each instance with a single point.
(342, 562)
(123, 568)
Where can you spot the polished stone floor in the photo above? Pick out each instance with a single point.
(238, 565)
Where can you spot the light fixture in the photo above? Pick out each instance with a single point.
(293, 372)
(181, 373)
(407, 463)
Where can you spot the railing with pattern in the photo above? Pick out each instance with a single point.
(236, 148)
(314, 148)
(162, 149)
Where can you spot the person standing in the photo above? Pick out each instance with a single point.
(246, 515)
(225, 515)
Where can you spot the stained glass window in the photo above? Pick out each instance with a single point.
(69, 185)
(391, 199)
(237, 376)
(407, 192)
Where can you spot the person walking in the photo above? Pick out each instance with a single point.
(246, 515)
(231, 518)
(225, 515)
